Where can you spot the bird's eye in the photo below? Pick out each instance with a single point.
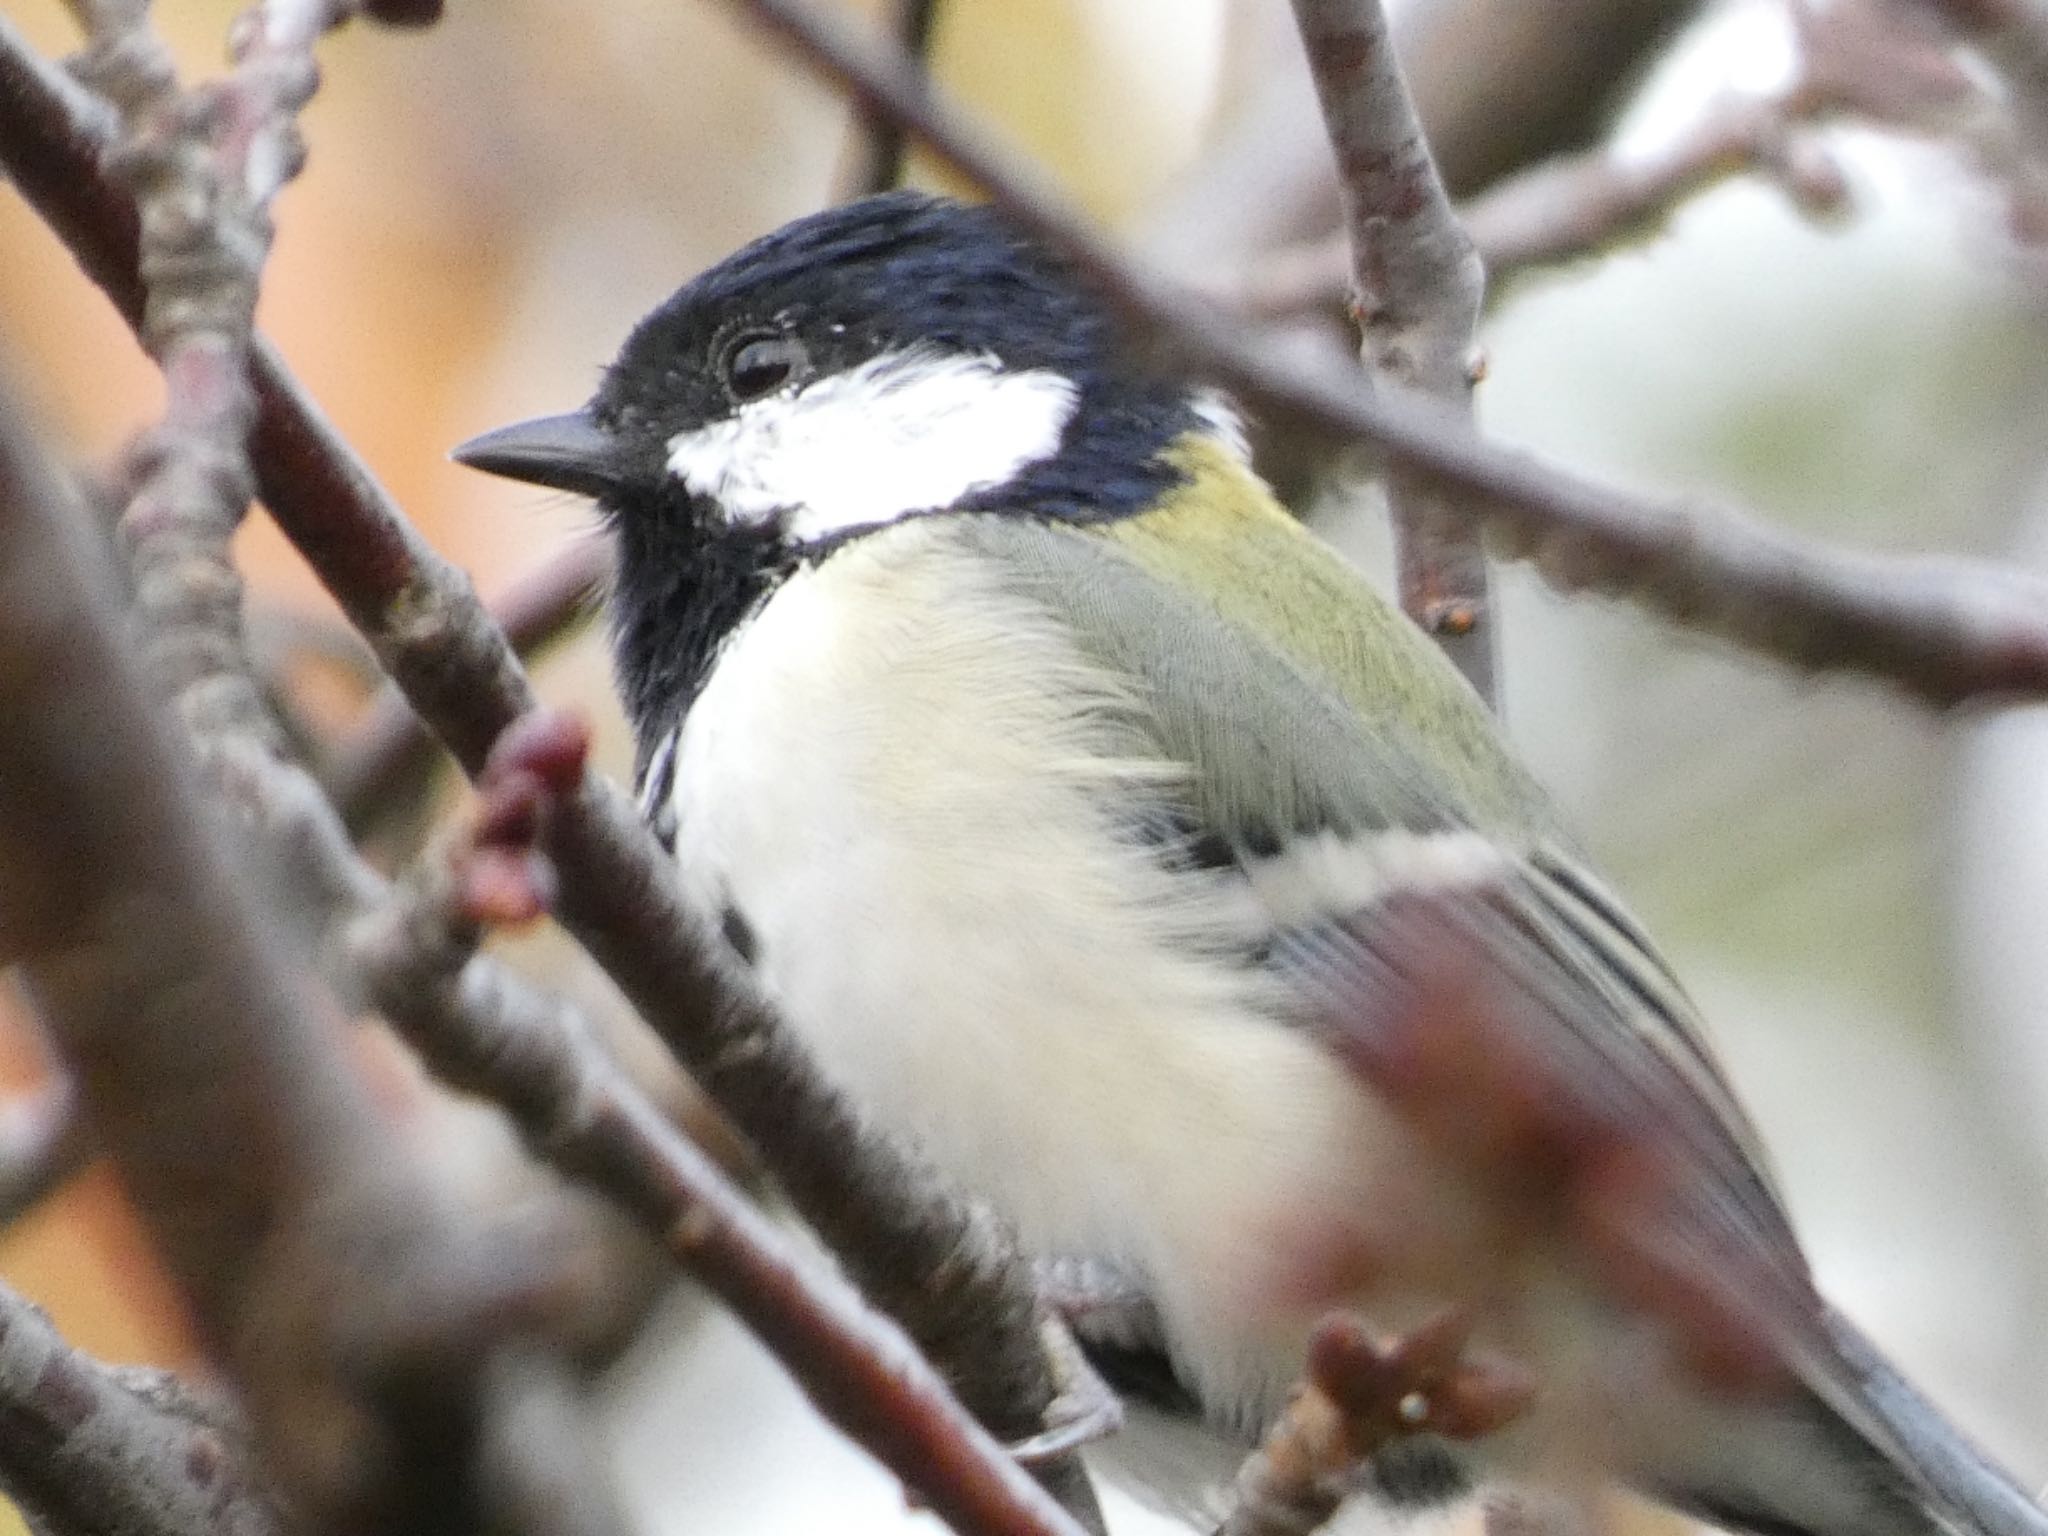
(758, 365)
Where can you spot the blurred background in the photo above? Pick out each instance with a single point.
(1856, 889)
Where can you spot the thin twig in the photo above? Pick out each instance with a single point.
(1946, 631)
(387, 755)
(1358, 1396)
(880, 148)
(1416, 287)
(1857, 59)
(88, 1448)
(2012, 36)
(1674, 558)
(1575, 207)
(1590, 204)
(410, 951)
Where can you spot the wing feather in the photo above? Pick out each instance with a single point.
(1287, 745)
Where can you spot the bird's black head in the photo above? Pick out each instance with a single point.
(898, 356)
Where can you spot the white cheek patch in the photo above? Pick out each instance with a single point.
(909, 432)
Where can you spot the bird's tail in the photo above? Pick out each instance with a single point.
(1961, 1489)
(1862, 1454)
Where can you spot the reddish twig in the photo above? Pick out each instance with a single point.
(1359, 1395)
(2012, 35)
(411, 952)
(86, 1448)
(1416, 288)
(1592, 1151)
(345, 1370)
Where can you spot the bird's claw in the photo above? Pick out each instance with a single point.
(1084, 1409)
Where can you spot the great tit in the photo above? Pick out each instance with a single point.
(1003, 725)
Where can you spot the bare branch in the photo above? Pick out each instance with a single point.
(2012, 36)
(43, 1141)
(1566, 1141)
(1863, 60)
(389, 752)
(880, 147)
(1577, 206)
(1417, 287)
(411, 951)
(1501, 85)
(1498, 84)
(214, 1077)
(1358, 1396)
(352, 1308)
(1589, 204)
(85, 1448)
(1945, 631)
(926, 1260)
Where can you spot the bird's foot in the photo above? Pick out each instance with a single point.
(1084, 1409)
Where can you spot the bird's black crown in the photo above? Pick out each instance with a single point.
(891, 273)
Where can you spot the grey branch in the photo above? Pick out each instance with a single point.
(1945, 631)
(351, 1303)
(387, 755)
(2012, 36)
(87, 1448)
(1417, 288)
(210, 1070)
(1581, 205)
(203, 166)
(876, 158)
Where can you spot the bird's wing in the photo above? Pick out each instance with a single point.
(1305, 709)
(1308, 709)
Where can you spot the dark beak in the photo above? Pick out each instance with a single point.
(564, 453)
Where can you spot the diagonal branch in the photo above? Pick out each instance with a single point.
(327, 1274)
(390, 750)
(1416, 288)
(881, 148)
(85, 1447)
(927, 1260)
(211, 1071)
(411, 951)
(1946, 631)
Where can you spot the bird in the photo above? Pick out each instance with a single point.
(1043, 775)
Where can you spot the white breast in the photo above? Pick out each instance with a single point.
(899, 777)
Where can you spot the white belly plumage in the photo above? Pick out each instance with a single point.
(901, 781)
